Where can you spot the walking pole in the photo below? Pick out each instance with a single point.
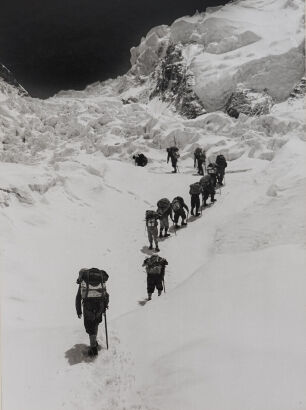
(106, 334)
(174, 227)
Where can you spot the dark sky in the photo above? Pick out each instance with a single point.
(52, 45)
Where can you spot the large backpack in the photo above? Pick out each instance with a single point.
(202, 156)
(176, 154)
(205, 181)
(211, 169)
(176, 204)
(163, 205)
(154, 265)
(195, 189)
(92, 282)
(221, 161)
(198, 152)
(143, 160)
(173, 152)
(151, 218)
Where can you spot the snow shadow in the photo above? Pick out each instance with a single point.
(174, 230)
(193, 218)
(78, 354)
(147, 251)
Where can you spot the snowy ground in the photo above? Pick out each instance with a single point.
(228, 334)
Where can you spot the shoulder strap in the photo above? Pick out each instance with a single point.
(87, 284)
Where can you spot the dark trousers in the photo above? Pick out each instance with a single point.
(174, 164)
(206, 193)
(181, 213)
(200, 167)
(195, 203)
(154, 281)
(92, 311)
(220, 176)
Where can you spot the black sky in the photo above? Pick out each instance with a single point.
(68, 44)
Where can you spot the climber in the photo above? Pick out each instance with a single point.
(174, 155)
(93, 296)
(212, 171)
(140, 160)
(221, 165)
(152, 218)
(164, 211)
(199, 160)
(207, 189)
(155, 267)
(195, 191)
(178, 206)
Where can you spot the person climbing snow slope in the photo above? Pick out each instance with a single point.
(155, 268)
(165, 211)
(199, 160)
(221, 165)
(174, 155)
(152, 218)
(92, 295)
(195, 191)
(208, 189)
(178, 206)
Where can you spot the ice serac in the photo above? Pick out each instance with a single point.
(246, 44)
(145, 57)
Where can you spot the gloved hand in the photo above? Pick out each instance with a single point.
(80, 316)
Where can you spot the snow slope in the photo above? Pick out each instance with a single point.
(229, 333)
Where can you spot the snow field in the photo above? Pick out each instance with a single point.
(230, 322)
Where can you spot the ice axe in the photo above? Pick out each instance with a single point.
(174, 227)
(106, 333)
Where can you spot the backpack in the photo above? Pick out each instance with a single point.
(173, 152)
(154, 265)
(197, 152)
(195, 189)
(142, 160)
(92, 282)
(151, 218)
(211, 169)
(221, 161)
(163, 205)
(176, 205)
(205, 181)
(202, 156)
(176, 155)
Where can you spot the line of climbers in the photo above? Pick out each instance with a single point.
(92, 294)
(175, 210)
(199, 161)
